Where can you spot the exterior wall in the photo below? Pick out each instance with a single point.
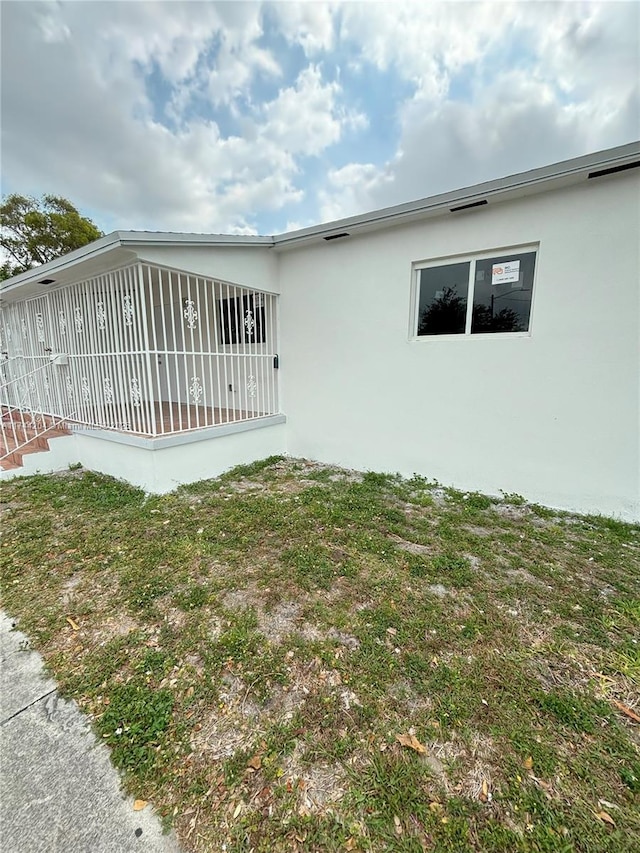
(553, 415)
(162, 469)
(254, 267)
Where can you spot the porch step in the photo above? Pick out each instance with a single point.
(36, 442)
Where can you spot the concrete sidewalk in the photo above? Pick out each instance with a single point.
(58, 789)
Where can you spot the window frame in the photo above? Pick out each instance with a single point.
(471, 258)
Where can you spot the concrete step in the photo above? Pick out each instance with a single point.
(36, 442)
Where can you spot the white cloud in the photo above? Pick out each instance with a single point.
(424, 42)
(575, 90)
(350, 189)
(81, 122)
(146, 110)
(303, 118)
(311, 25)
(235, 69)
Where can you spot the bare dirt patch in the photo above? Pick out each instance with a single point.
(477, 530)
(462, 766)
(173, 616)
(522, 574)
(412, 547)
(108, 628)
(231, 726)
(68, 588)
(319, 785)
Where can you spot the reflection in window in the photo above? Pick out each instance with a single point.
(502, 293)
(442, 306)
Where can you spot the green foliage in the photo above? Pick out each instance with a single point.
(301, 624)
(454, 570)
(577, 712)
(133, 724)
(311, 565)
(193, 597)
(35, 231)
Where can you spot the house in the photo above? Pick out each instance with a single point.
(488, 338)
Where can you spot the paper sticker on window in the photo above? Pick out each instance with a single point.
(506, 272)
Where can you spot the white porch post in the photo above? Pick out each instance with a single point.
(147, 317)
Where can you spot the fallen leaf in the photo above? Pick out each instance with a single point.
(237, 811)
(484, 793)
(392, 631)
(412, 742)
(528, 763)
(350, 844)
(605, 817)
(138, 805)
(435, 806)
(255, 763)
(397, 824)
(73, 623)
(626, 710)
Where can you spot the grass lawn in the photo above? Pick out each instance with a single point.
(295, 657)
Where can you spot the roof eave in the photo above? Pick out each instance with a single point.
(533, 180)
(58, 265)
(129, 240)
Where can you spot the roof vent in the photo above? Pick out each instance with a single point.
(337, 236)
(469, 206)
(612, 171)
(47, 281)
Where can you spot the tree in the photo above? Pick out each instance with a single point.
(485, 319)
(34, 231)
(445, 315)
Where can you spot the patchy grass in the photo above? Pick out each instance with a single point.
(251, 647)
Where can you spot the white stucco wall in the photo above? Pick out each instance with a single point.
(162, 470)
(553, 416)
(157, 470)
(249, 266)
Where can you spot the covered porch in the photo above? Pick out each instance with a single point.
(143, 350)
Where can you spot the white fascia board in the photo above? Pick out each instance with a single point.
(535, 180)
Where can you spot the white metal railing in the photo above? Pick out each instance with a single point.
(30, 406)
(151, 350)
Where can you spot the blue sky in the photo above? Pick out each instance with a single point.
(261, 117)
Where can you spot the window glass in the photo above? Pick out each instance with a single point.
(442, 305)
(502, 293)
(242, 319)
